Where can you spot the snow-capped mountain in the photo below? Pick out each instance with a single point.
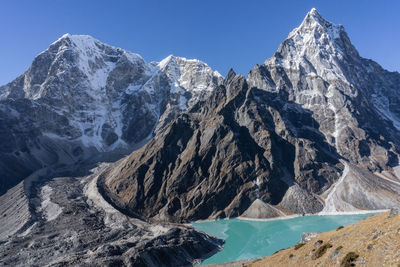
(312, 129)
(354, 101)
(93, 97)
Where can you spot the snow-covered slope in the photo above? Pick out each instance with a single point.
(91, 83)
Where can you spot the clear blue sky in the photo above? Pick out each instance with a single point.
(224, 34)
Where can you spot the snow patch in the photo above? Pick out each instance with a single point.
(182, 102)
(89, 56)
(381, 103)
(49, 209)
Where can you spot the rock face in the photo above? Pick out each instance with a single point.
(222, 155)
(81, 97)
(314, 121)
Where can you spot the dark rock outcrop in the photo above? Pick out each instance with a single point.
(222, 155)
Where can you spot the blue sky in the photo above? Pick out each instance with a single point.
(224, 34)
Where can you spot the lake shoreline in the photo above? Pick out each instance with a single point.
(337, 213)
(288, 217)
(248, 239)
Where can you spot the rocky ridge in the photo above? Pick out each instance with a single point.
(313, 129)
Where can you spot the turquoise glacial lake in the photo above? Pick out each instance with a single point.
(251, 239)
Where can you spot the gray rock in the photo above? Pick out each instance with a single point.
(394, 212)
(307, 236)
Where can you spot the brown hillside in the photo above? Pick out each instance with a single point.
(374, 241)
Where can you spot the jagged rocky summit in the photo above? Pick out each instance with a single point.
(313, 129)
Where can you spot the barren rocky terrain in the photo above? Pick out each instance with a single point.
(65, 221)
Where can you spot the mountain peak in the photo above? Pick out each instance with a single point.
(317, 46)
(75, 38)
(314, 16)
(65, 35)
(313, 13)
(314, 22)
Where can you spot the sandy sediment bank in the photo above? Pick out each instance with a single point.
(351, 212)
(270, 219)
(299, 215)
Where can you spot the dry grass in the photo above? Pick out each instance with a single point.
(374, 241)
(349, 259)
(321, 251)
(299, 245)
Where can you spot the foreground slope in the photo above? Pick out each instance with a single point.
(374, 241)
(313, 129)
